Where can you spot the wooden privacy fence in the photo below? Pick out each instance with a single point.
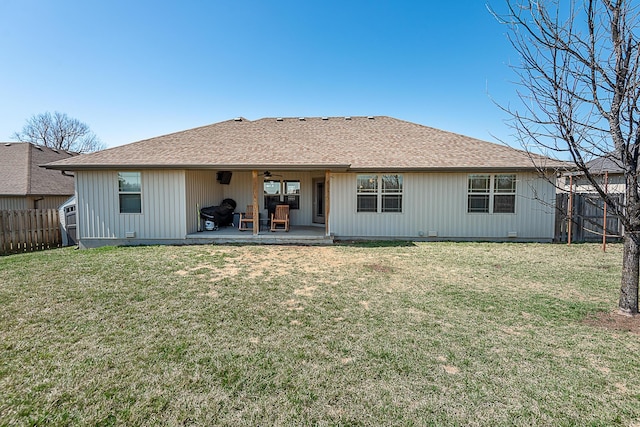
(29, 230)
(587, 218)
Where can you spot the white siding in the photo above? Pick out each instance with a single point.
(437, 202)
(163, 206)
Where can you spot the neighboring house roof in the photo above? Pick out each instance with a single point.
(347, 143)
(21, 174)
(601, 165)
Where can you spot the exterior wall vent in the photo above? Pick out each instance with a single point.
(512, 234)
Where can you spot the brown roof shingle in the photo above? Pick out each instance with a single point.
(356, 143)
(21, 174)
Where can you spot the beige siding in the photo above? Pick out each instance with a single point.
(240, 189)
(163, 206)
(31, 202)
(436, 203)
(50, 202)
(13, 203)
(202, 190)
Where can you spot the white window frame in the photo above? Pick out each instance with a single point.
(378, 190)
(125, 192)
(491, 192)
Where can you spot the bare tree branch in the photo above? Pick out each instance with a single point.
(579, 86)
(59, 131)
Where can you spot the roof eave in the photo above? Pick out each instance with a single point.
(451, 169)
(80, 167)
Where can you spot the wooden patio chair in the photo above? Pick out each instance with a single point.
(280, 217)
(246, 218)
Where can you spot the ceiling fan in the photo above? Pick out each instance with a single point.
(268, 174)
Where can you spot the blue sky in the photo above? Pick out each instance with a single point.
(136, 69)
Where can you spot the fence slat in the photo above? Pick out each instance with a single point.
(29, 230)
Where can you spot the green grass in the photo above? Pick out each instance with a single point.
(412, 334)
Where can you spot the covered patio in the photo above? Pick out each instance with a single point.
(297, 235)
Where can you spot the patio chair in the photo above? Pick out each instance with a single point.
(280, 217)
(246, 218)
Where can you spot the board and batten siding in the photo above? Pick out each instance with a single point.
(163, 206)
(202, 190)
(13, 203)
(436, 204)
(31, 202)
(49, 202)
(240, 189)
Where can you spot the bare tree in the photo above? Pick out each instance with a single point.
(59, 131)
(579, 84)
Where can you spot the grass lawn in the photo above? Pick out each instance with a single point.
(390, 334)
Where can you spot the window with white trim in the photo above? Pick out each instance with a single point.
(379, 193)
(130, 192)
(278, 192)
(491, 193)
(504, 194)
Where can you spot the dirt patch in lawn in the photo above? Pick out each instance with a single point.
(616, 322)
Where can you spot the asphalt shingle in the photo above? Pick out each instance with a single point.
(356, 143)
(21, 174)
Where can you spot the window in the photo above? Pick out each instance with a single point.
(379, 193)
(272, 191)
(491, 193)
(281, 192)
(504, 198)
(130, 192)
(292, 194)
(391, 193)
(367, 193)
(478, 193)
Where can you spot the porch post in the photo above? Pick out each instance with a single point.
(327, 201)
(256, 220)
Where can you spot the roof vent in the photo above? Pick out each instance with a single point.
(325, 118)
(302, 119)
(370, 117)
(237, 119)
(279, 119)
(348, 118)
(8, 144)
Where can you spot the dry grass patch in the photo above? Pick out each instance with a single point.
(361, 334)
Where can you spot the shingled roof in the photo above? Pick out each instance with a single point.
(338, 143)
(21, 174)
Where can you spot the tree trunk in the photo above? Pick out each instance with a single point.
(628, 303)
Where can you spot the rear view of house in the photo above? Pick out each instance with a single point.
(24, 184)
(341, 177)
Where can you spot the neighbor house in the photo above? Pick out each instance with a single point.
(342, 177)
(601, 168)
(24, 184)
(587, 206)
